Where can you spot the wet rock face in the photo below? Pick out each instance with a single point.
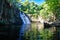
(46, 25)
(56, 24)
(53, 24)
(9, 14)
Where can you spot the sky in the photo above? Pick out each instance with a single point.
(36, 1)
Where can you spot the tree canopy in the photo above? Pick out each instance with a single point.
(48, 9)
(54, 7)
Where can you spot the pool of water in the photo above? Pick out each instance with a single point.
(34, 31)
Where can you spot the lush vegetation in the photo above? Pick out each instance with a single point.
(48, 10)
(54, 7)
(30, 8)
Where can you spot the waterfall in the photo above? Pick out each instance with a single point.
(25, 26)
(24, 18)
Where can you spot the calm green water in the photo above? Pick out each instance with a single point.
(34, 31)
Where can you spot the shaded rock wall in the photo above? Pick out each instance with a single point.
(9, 14)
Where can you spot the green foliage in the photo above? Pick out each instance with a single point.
(53, 4)
(46, 10)
(45, 13)
(30, 8)
(54, 7)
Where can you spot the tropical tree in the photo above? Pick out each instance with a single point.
(54, 7)
(30, 8)
(45, 13)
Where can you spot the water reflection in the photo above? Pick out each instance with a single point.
(23, 29)
(29, 32)
(38, 32)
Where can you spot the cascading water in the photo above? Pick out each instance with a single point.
(24, 18)
(26, 23)
(25, 26)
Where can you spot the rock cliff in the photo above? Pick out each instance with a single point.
(9, 14)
